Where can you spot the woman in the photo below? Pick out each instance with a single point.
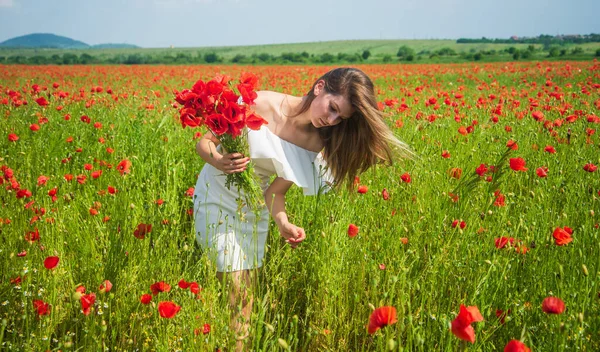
(336, 124)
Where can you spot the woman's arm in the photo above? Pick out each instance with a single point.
(275, 200)
(228, 162)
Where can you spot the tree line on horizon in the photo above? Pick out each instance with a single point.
(405, 54)
(544, 39)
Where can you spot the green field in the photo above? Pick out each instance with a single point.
(378, 48)
(461, 225)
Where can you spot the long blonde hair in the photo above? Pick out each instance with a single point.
(361, 141)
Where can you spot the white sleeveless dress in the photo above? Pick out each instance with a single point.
(235, 240)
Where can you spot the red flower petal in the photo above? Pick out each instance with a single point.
(553, 305)
(51, 262)
(352, 230)
(381, 317)
(168, 309)
(516, 346)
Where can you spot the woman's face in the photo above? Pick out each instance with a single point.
(328, 109)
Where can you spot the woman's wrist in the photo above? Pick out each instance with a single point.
(281, 221)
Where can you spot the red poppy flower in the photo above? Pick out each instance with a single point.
(158, 287)
(503, 241)
(168, 309)
(23, 193)
(254, 122)
(13, 137)
(550, 149)
(385, 194)
(106, 286)
(190, 192)
(42, 101)
(352, 230)
(51, 262)
(142, 230)
(500, 200)
(32, 236)
(206, 329)
(146, 298)
(517, 164)
(96, 174)
(87, 302)
(553, 305)
(516, 346)
(405, 177)
(562, 236)
(461, 326)
(41, 307)
(542, 171)
(183, 284)
(453, 197)
(34, 127)
(124, 166)
(381, 317)
(445, 154)
(81, 179)
(42, 180)
(481, 169)
(501, 315)
(455, 172)
(537, 115)
(512, 145)
(217, 123)
(195, 288)
(112, 190)
(590, 167)
(362, 189)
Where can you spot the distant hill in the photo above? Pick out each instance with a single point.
(47, 40)
(44, 40)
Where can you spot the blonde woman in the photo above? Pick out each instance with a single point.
(337, 124)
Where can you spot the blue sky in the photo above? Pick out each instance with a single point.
(199, 23)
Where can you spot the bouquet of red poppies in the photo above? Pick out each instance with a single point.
(216, 105)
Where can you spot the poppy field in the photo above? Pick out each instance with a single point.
(488, 240)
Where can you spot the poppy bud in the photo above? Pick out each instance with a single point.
(283, 343)
(76, 296)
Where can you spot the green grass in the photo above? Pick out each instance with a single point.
(319, 296)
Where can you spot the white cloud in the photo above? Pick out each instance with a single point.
(7, 3)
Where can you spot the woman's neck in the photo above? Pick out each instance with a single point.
(290, 106)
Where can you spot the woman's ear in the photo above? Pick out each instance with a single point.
(319, 86)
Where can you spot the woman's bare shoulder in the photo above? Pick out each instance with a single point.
(267, 104)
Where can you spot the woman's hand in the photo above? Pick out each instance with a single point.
(231, 163)
(293, 234)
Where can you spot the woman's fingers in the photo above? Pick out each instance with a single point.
(299, 234)
(235, 155)
(234, 162)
